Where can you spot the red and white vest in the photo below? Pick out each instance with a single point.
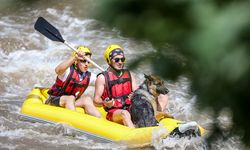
(117, 88)
(72, 85)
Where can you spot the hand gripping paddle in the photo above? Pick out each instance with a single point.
(48, 30)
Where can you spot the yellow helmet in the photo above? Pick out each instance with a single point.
(109, 49)
(84, 49)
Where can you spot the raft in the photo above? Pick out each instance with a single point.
(34, 109)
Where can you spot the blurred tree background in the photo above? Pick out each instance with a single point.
(206, 40)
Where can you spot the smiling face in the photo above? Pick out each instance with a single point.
(83, 65)
(118, 62)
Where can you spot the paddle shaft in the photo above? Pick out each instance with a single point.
(52, 33)
(87, 58)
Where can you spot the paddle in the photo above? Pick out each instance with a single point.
(48, 30)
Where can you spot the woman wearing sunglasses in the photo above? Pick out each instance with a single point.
(113, 87)
(73, 78)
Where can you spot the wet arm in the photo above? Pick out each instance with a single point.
(99, 88)
(162, 102)
(134, 86)
(62, 67)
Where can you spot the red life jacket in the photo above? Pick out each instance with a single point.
(117, 88)
(72, 85)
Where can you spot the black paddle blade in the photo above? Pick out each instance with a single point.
(48, 30)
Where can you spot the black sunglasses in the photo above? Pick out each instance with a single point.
(84, 61)
(118, 59)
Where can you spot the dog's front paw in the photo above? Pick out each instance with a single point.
(169, 116)
(161, 115)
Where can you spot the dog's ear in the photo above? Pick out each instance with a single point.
(148, 77)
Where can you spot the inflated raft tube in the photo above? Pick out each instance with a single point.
(34, 109)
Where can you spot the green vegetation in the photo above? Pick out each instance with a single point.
(208, 41)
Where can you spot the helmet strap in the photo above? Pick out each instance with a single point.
(116, 71)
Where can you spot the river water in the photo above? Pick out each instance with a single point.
(28, 59)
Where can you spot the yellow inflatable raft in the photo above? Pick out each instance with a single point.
(99, 128)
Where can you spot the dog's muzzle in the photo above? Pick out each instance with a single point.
(162, 90)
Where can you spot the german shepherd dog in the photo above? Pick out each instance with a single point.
(144, 103)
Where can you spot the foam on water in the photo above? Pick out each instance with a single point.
(28, 58)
